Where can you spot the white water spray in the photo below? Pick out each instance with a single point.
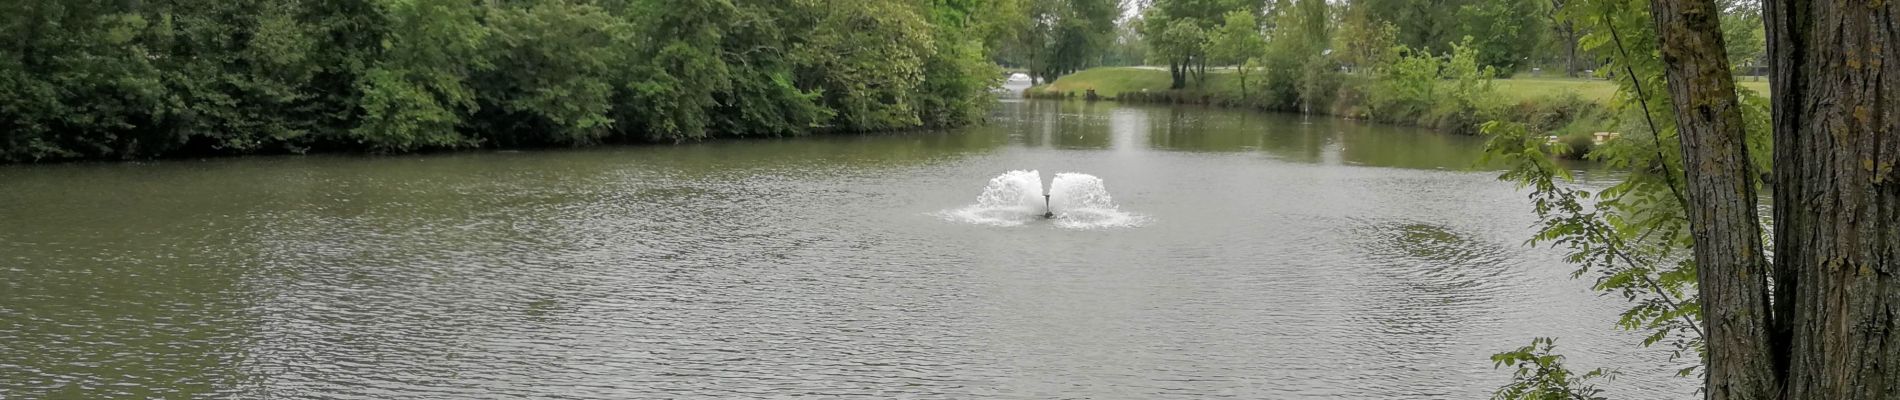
(1082, 201)
(1077, 201)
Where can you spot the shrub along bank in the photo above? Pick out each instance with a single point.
(1451, 93)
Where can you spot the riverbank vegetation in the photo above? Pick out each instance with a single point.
(122, 80)
(1375, 60)
(1680, 235)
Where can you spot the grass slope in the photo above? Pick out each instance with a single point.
(1109, 81)
(1112, 81)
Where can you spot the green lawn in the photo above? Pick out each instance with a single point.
(1112, 81)
(1594, 89)
(1523, 89)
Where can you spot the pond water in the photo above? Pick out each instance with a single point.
(1262, 256)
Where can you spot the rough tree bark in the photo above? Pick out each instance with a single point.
(1836, 91)
(1721, 194)
(1830, 330)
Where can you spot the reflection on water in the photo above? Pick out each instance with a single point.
(1285, 257)
(1310, 139)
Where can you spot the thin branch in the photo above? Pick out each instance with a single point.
(1674, 305)
(1642, 99)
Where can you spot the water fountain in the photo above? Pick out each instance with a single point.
(1074, 200)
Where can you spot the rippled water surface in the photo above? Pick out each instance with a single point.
(1279, 257)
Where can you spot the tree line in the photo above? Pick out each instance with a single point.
(119, 79)
(1509, 36)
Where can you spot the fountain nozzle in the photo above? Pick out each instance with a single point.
(1046, 212)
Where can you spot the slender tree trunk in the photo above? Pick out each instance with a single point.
(1177, 77)
(1200, 79)
(1242, 70)
(1836, 88)
(1570, 50)
(1720, 187)
(1566, 32)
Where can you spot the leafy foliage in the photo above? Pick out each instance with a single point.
(1542, 375)
(1238, 41)
(1177, 32)
(1299, 75)
(1632, 236)
(1063, 36)
(1452, 93)
(1508, 32)
(110, 79)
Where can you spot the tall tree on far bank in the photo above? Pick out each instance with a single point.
(1506, 33)
(1179, 42)
(1238, 42)
(1826, 329)
(1565, 33)
(1297, 69)
(1065, 36)
(1177, 32)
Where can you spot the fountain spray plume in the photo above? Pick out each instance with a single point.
(1010, 200)
(1085, 203)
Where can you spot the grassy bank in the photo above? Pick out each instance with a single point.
(1569, 108)
(1111, 82)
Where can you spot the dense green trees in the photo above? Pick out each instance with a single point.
(1300, 74)
(1238, 42)
(1058, 37)
(1177, 32)
(1507, 33)
(118, 79)
(1510, 36)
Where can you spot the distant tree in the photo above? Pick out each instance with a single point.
(1065, 36)
(1238, 42)
(577, 51)
(1128, 49)
(1363, 42)
(1178, 42)
(959, 73)
(1298, 71)
(417, 94)
(1506, 33)
(1564, 34)
(679, 68)
(1743, 34)
(1421, 23)
(1188, 58)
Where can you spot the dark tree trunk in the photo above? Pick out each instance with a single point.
(1720, 187)
(1177, 75)
(1570, 50)
(1567, 33)
(1836, 89)
(1831, 330)
(1200, 72)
